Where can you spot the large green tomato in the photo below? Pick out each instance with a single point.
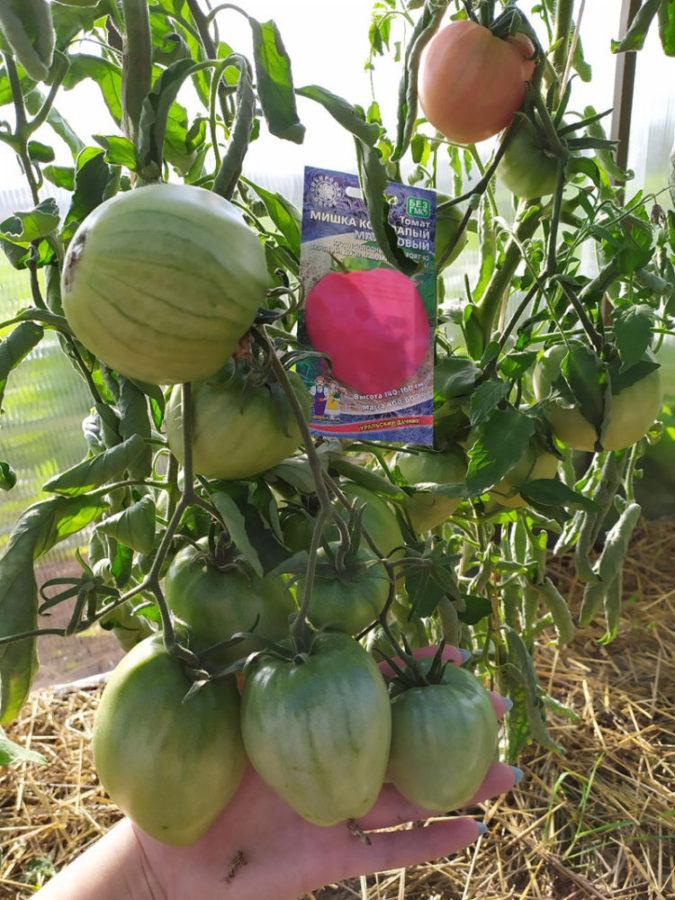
(631, 412)
(317, 728)
(170, 764)
(443, 741)
(426, 511)
(448, 219)
(350, 600)
(237, 430)
(162, 282)
(525, 169)
(216, 604)
(535, 464)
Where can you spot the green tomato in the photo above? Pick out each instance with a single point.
(237, 430)
(447, 222)
(350, 600)
(171, 765)
(535, 464)
(444, 740)
(378, 519)
(427, 511)
(629, 417)
(162, 282)
(317, 728)
(216, 604)
(525, 169)
(297, 528)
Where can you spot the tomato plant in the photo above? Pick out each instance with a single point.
(174, 286)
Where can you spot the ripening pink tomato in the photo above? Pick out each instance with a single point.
(373, 326)
(472, 83)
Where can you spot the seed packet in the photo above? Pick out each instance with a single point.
(370, 327)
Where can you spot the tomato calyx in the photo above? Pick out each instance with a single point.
(410, 672)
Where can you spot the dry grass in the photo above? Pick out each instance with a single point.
(597, 822)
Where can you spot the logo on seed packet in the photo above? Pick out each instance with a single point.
(370, 328)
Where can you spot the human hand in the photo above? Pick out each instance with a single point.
(259, 847)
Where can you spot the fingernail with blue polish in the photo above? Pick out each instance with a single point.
(482, 828)
(465, 654)
(518, 774)
(508, 704)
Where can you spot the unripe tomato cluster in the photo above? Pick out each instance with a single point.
(320, 729)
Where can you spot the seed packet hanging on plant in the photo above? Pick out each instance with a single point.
(370, 327)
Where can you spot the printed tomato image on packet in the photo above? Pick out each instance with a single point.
(370, 327)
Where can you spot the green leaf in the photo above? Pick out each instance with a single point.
(24, 227)
(515, 365)
(455, 377)
(27, 29)
(284, 215)
(92, 177)
(521, 666)
(7, 476)
(133, 411)
(502, 441)
(61, 176)
(373, 180)
(552, 492)
(485, 398)
(40, 152)
(13, 753)
(476, 608)
(235, 523)
(119, 151)
(134, 527)
(275, 82)
(92, 473)
(240, 133)
(586, 376)
(633, 332)
(104, 73)
(422, 33)
(366, 478)
(55, 120)
(295, 471)
(667, 26)
(487, 237)
(350, 117)
(154, 116)
(38, 529)
(637, 31)
(626, 377)
(559, 609)
(15, 347)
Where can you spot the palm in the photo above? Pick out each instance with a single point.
(259, 847)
